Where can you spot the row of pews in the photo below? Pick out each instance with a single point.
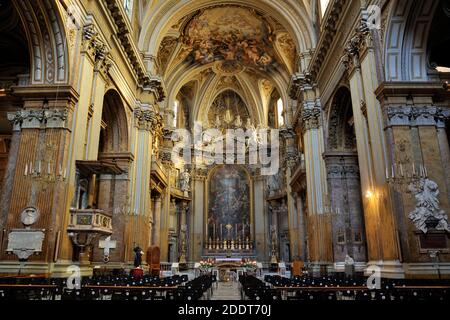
(332, 288)
(147, 287)
(255, 289)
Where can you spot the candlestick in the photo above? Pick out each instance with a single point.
(414, 169)
(26, 169)
(393, 172)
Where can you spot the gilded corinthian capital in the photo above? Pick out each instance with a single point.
(311, 118)
(144, 118)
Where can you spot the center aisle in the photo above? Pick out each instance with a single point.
(227, 291)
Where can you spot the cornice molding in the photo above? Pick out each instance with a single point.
(326, 38)
(145, 80)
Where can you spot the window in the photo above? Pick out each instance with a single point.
(341, 236)
(128, 6)
(280, 111)
(175, 113)
(323, 6)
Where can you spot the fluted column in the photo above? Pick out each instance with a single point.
(139, 226)
(42, 146)
(319, 231)
(380, 220)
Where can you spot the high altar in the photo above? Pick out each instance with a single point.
(229, 218)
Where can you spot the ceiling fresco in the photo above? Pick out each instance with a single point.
(231, 34)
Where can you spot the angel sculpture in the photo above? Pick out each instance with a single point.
(427, 211)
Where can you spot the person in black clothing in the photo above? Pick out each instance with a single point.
(138, 257)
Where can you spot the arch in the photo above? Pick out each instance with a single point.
(184, 75)
(340, 134)
(114, 133)
(47, 40)
(406, 40)
(170, 12)
(226, 92)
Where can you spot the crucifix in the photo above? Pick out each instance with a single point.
(106, 245)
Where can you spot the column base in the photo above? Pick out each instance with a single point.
(359, 266)
(427, 270)
(391, 269)
(26, 268)
(55, 270)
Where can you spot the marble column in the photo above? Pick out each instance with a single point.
(274, 247)
(182, 234)
(380, 220)
(44, 139)
(198, 212)
(156, 239)
(302, 232)
(139, 229)
(319, 238)
(261, 224)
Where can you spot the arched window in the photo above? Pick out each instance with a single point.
(128, 6)
(323, 6)
(175, 113)
(280, 111)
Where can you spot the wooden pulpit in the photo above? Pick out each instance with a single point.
(154, 260)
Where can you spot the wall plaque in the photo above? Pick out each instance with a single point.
(25, 242)
(431, 241)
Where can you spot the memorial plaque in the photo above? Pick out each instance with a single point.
(433, 241)
(25, 242)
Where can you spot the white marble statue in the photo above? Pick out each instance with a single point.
(184, 180)
(349, 260)
(427, 208)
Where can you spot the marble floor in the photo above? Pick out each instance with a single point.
(227, 291)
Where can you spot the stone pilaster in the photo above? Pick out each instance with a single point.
(42, 146)
(139, 228)
(415, 128)
(381, 224)
(319, 240)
